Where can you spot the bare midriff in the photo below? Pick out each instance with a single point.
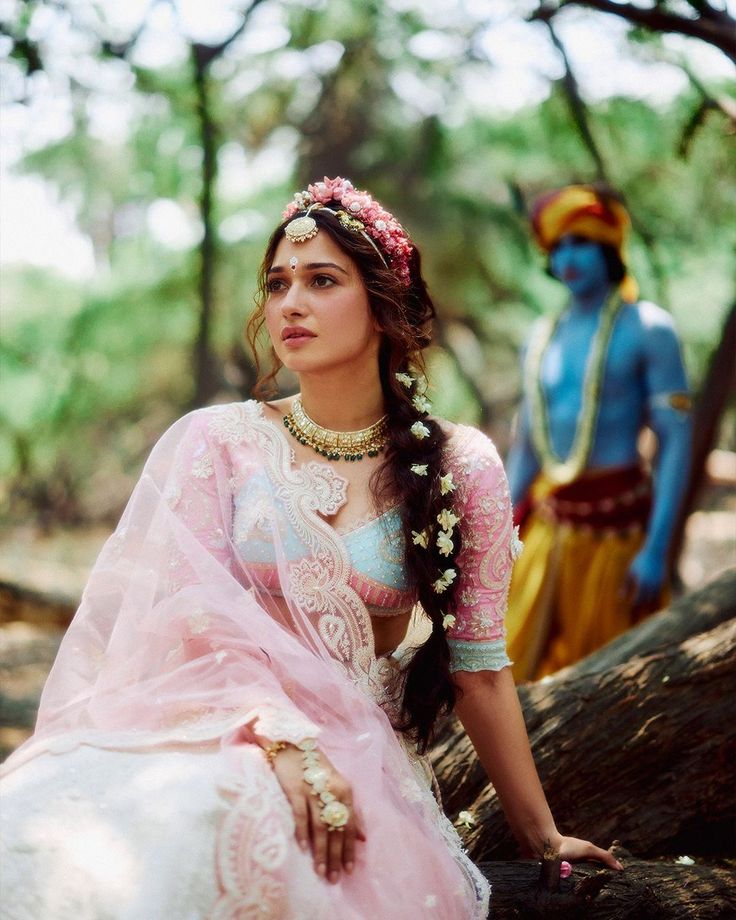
(389, 632)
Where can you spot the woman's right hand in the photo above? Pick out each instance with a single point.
(333, 851)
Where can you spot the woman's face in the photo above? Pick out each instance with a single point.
(317, 309)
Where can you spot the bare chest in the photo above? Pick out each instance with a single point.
(568, 365)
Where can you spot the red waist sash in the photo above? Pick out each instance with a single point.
(603, 500)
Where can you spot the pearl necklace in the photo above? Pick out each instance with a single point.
(336, 445)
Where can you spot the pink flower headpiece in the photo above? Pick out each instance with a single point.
(363, 215)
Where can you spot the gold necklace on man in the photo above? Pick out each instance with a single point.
(564, 470)
(336, 445)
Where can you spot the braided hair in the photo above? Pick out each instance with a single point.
(413, 467)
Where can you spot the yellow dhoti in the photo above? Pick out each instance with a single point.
(567, 595)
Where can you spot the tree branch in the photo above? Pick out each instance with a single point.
(205, 54)
(720, 103)
(716, 27)
(577, 106)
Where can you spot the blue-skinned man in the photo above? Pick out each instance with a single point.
(596, 524)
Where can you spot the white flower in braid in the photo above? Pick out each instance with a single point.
(420, 431)
(421, 404)
(444, 581)
(444, 543)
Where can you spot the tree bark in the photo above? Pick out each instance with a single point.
(636, 742)
(205, 377)
(718, 387)
(41, 608)
(661, 890)
(27, 651)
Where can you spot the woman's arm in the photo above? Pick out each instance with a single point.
(490, 712)
(488, 705)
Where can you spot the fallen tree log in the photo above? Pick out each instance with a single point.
(26, 655)
(41, 608)
(458, 770)
(689, 615)
(643, 751)
(645, 890)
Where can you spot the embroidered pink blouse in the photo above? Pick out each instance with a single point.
(375, 549)
(490, 545)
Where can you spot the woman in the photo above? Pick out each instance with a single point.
(233, 727)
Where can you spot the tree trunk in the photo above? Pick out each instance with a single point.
(205, 377)
(718, 387)
(459, 772)
(636, 742)
(662, 890)
(206, 380)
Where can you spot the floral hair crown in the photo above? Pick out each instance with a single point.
(359, 213)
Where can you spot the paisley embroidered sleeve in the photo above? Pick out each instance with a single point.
(477, 637)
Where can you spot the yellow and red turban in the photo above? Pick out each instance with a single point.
(580, 210)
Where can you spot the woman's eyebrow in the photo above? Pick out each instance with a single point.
(310, 266)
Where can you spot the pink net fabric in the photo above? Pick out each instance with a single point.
(177, 646)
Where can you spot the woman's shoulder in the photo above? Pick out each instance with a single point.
(222, 422)
(469, 449)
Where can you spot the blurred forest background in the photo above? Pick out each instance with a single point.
(165, 137)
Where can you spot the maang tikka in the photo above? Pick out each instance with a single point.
(357, 211)
(301, 229)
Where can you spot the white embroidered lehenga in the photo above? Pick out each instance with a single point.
(226, 603)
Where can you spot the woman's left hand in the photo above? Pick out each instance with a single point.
(573, 849)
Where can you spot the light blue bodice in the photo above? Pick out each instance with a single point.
(375, 548)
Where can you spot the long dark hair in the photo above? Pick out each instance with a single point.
(404, 314)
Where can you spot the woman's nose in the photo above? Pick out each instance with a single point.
(292, 303)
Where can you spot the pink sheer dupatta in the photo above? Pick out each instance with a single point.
(179, 644)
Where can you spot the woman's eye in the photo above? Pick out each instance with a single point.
(275, 284)
(323, 281)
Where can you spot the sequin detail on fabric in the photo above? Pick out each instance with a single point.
(478, 656)
(320, 581)
(477, 636)
(252, 847)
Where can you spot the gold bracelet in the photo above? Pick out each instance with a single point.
(273, 749)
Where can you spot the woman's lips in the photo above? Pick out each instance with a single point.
(293, 336)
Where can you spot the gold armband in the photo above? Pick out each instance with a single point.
(679, 401)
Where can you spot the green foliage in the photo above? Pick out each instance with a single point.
(93, 370)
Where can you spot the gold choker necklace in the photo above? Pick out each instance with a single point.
(336, 445)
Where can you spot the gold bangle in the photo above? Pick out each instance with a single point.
(273, 749)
